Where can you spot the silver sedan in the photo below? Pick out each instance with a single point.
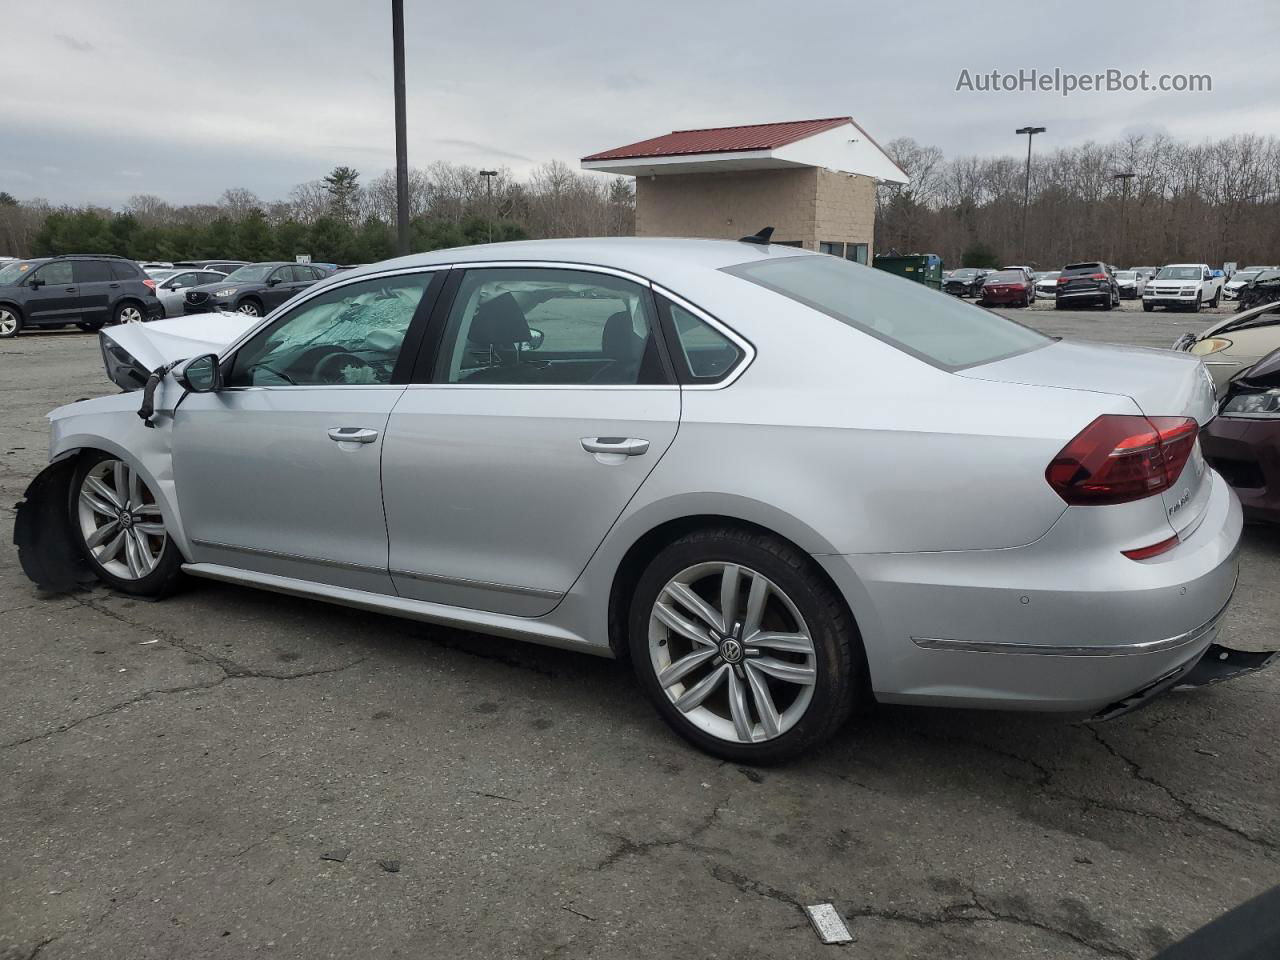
(784, 485)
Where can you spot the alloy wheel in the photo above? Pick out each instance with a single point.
(120, 520)
(130, 315)
(732, 653)
(8, 323)
(248, 309)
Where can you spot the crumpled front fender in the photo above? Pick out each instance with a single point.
(42, 531)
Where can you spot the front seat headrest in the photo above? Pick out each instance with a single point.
(499, 322)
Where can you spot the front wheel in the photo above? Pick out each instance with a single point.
(119, 529)
(10, 324)
(1198, 305)
(745, 650)
(1148, 307)
(249, 308)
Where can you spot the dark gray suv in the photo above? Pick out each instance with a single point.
(88, 291)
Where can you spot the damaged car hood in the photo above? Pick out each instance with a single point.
(131, 351)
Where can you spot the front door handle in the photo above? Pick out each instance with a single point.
(626, 446)
(353, 434)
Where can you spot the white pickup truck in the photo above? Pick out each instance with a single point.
(1185, 286)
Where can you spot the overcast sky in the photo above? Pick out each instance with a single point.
(100, 100)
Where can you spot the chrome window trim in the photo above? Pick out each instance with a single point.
(319, 289)
(1069, 650)
(748, 349)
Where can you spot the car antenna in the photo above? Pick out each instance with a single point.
(762, 237)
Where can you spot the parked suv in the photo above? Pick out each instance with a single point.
(1089, 282)
(254, 289)
(89, 291)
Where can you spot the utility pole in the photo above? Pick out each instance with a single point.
(402, 149)
(488, 189)
(1124, 177)
(1026, 186)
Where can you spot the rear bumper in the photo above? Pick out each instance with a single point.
(1061, 624)
(1094, 294)
(1247, 454)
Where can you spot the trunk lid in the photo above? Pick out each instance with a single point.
(1162, 384)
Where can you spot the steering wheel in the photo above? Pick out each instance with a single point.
(330, 368)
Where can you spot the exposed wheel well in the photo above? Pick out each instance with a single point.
(12, 308)
(641, 552)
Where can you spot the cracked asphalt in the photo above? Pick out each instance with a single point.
(171, 775)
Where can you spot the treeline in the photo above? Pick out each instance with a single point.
(1212, 202)
(334, 219)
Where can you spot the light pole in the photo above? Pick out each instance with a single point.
(488, 189)
(1125, 177)
(402, 149)
(1026, 186)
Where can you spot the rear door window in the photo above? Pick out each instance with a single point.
(91, 271)
(924, 323)
(122, 270)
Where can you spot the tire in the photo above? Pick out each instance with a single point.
(250, 308)
(1058, 305)
(145, 561)
(1148, 307)
(1197, 306)
(89, 327)
(1106, 304)
(10, 322)
(127, 311)
(1217, 298)
(820, 679)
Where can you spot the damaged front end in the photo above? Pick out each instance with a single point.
(42, 531)
(132, 352)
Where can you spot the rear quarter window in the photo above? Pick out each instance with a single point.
(123, 270)
(925, 323)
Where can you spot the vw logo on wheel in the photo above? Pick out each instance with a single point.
(731, 650)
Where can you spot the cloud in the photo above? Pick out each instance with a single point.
(73, 43)
(484, 148)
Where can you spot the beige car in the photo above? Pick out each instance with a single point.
(1235, 343)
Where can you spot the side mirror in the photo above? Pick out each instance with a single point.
(35, 283)
(200, 375)
(273, 281)
(536, 337)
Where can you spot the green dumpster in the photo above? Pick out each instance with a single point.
(923, 268)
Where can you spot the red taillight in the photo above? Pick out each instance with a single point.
(149, 283)
(1097, 276)
(1146, 553)
(1062, 280)
(1118, 459)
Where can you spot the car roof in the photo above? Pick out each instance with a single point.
(656, 258)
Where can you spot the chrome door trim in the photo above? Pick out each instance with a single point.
(294, 557)
(311, 292)
(478, 584)
(1068, 650)
(554, 265)
(743, 344)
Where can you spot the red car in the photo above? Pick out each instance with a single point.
(1243, 442)
(1007, 288)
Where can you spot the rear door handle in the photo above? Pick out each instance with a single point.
(353, 434)
(627, 446)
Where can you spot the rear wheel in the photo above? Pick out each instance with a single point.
(1106, 304)
(128, 312)
(10, 323)
(743, 648)
(119, 528)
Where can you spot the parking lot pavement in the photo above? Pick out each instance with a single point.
(173, 775)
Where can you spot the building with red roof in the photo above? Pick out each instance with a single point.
(813, 181)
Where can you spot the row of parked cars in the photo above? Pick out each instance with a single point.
(90, 291)
(1177, 286)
